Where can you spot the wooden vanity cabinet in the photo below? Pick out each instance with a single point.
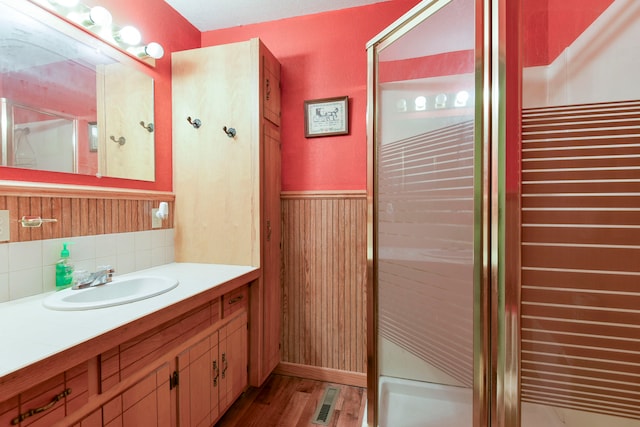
(213, 374)
(227, 186)
(49, 402)
(184, 372)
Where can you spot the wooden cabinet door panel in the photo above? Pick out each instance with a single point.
(271, 88)
(236, 356)
(146, 403)
(271, 248)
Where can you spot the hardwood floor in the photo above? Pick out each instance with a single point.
(285, 401)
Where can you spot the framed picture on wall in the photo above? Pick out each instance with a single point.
(327, 116)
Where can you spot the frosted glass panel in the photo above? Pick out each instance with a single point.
(425, 200)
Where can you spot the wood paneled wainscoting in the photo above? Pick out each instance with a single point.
(324, 250)
(80, 211)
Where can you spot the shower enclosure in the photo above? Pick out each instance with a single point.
(504, 254)
(36, 139)
(428, 215)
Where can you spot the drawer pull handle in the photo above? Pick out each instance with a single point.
(32, 412)
(216, 371)
(236, 299)
(224, 365)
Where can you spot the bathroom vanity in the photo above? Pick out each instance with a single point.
(179, 358)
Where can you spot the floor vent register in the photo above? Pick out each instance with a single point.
(326, 407)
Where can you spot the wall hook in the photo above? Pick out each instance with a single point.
(231, 132)
(148, 127)
(120, 140)
(196, 123)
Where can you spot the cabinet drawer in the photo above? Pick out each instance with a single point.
(235, 301)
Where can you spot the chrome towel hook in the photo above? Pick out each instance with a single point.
(120, 140)
(231, 132)
(196, 123)
(148, 127)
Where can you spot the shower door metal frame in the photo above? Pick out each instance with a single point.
(496, 400)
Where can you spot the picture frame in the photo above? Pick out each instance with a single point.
(326, 117)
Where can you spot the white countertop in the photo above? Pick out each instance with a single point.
(29, 332)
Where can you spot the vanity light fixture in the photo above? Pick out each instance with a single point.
(98, 20)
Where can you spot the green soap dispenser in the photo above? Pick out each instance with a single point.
(64, 269)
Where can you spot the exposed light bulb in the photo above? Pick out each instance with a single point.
(154, 50)
(462, 98)
(129, 35)
(100, 16)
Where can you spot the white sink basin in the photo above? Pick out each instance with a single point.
(119, 291)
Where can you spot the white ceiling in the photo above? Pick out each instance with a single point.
(208, 15)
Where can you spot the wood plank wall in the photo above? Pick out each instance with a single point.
(80, 213)
(580, 251)
(324, 280)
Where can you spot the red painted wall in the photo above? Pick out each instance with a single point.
(159, 23)
(552, 25)
(322, 55)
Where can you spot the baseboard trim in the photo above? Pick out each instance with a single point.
(356, 379)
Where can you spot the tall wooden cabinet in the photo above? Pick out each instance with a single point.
(226, 144)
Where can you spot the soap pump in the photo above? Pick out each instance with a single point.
(64, 269)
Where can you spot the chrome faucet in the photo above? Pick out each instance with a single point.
(100, 277)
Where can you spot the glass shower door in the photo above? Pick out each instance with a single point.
(425, 218)
(580, 323)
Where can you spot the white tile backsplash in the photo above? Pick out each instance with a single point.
(142, 241)
(4, 258)
(125, 243)
(24, 283)
(158, 256)
(25, 255)
(4, 287)
(106, 245)
(83, 248)
(125, 263)
(143, 259)
(28, 268)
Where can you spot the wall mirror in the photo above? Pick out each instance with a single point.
(68, 101)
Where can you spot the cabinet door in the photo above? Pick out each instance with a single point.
(234, 357)
(271, 247)
(148, 402)
(270, 87)
(212, 172)
(134, 158)
(93, 420)
(199, 369)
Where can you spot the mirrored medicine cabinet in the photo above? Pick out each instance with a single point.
(68, 101)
